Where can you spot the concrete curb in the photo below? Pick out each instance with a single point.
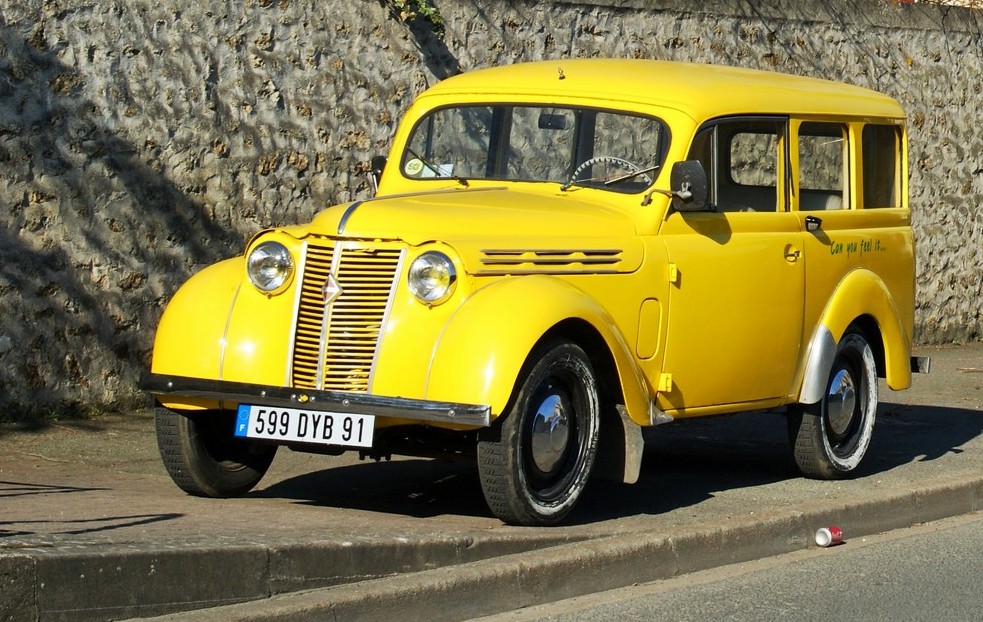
(514, 581)
(150, 579)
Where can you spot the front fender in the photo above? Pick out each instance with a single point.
(190, 339)
(218, 327)
(480, 353)
(861, 293)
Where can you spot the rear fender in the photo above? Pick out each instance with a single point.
(860, 294)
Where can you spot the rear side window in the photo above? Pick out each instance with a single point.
(881, 166)
(823, 163)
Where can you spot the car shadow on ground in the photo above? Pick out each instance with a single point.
(685, 463)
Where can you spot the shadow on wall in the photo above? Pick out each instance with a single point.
(92, 240)
(428, 36)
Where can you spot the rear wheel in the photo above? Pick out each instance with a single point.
(831, 437)
(204, 458)
(535, 462)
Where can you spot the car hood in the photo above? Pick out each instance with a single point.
(494, 229)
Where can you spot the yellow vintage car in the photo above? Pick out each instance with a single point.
(557, 255)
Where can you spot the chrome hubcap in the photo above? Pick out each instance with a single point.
(550, 433)
(841, 402)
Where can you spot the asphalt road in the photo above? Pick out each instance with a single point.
(927, 573)
(91, 527)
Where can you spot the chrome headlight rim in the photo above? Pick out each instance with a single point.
(270, 267)
(432, 278)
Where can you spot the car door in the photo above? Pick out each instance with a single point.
(735, 304)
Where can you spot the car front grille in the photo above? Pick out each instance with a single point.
(335, 341)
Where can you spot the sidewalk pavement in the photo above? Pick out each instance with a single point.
(91, 528)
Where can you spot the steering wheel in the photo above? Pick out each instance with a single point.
(586, 164)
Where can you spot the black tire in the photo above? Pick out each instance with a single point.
(204, 458)
(830, 438)
(533, 467)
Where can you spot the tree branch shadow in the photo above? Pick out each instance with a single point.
(93, 227)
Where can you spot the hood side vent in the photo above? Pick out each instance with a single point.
(550, 261)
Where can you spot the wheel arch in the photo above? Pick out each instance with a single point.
(867, 326)
(478, 357)
(620, 446)
(487, 372)
(862, 303)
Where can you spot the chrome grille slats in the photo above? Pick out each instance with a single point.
(340, 356)
(310, 314)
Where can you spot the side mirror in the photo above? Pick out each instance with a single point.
(377, 165)
(688, 181)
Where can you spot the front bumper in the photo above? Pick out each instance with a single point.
(235, 393)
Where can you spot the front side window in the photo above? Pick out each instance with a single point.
(743, 159)
(578, 147)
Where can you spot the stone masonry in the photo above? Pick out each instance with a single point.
(141, 140)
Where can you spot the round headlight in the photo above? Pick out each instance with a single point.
(432, 277)
(269, 266)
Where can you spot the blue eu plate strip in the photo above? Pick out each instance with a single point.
(242, 420)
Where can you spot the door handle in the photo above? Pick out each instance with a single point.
(792, 254)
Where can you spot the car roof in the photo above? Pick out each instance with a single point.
(699, 90)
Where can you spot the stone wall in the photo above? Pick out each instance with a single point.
(141, 140)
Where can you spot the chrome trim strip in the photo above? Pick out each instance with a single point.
(822, 351)
(322, 352)
(334, 401)
(348, 214)
(385, 316)
(299, 284)
(225, 332)
(354, 206)
(425, 193)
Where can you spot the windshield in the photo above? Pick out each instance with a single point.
(570, 146)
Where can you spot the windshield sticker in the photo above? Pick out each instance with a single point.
(413, 167)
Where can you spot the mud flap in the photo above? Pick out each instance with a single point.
(621, 448)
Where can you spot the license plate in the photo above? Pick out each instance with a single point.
(305, 426)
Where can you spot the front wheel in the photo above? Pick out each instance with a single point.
(831, 437)
(204, 458)
(535, 462)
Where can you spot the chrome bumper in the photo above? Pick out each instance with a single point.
(332, 401)
(921, 364)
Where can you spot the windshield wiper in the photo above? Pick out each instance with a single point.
(610, 182)
(627, 176)
(438, 172)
